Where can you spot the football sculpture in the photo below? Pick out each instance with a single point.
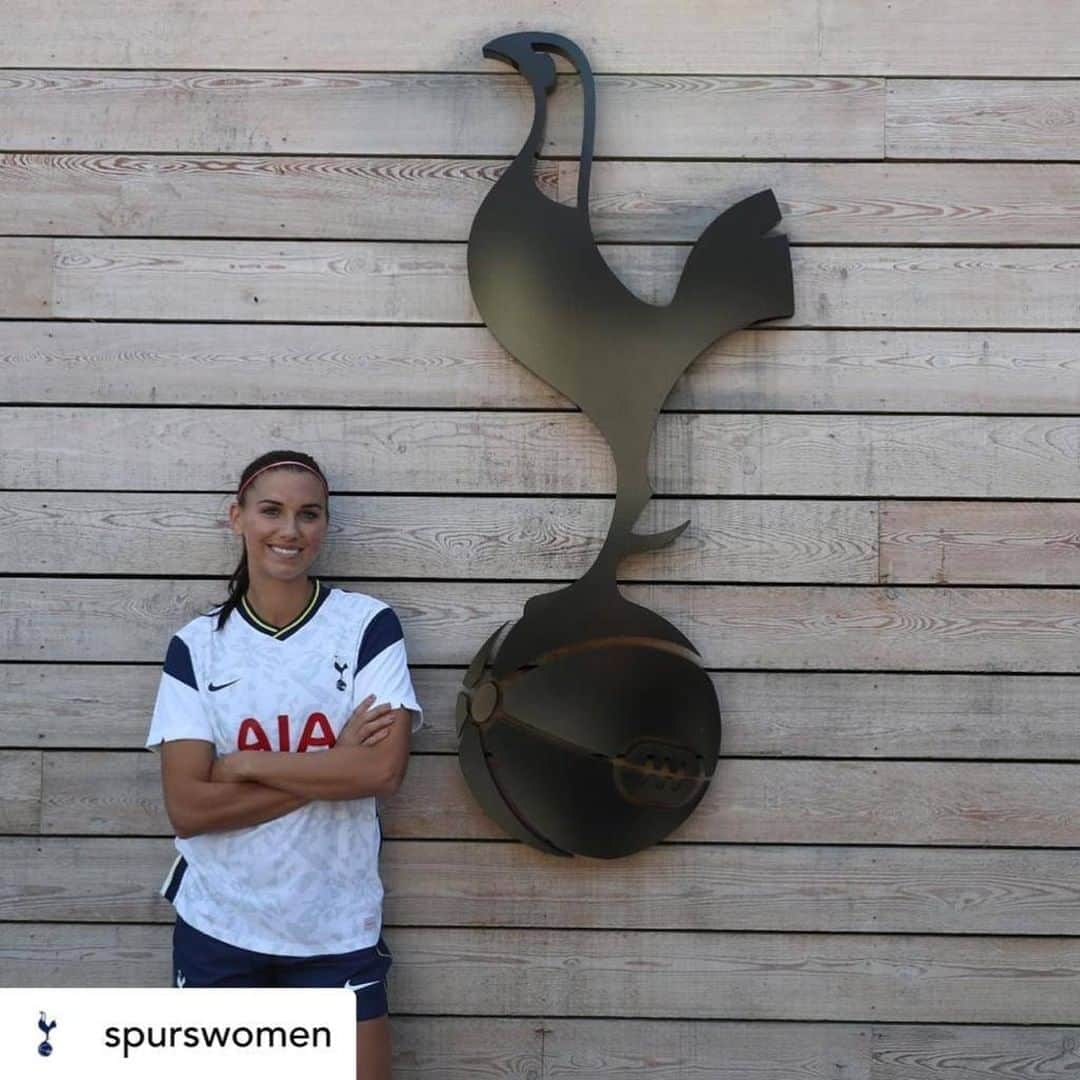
(599, 746)
(590, 726)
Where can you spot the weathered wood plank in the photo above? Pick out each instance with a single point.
(961, 37)
(334, 35)
(279, 196)
(464, 367)
(917, 37)
(773, 802)
(584, 973)
(812, 976)
(750, 801)
(386, 536)
(1012, 119)
(997, 543)
(20, 791)
(771, 1050)
(438, 1048)
(28, 276)
(733, 626)
(668, 887)
(489, 114)
(538, 454)
(351, 281)
(768, 714)
(432, 199)
(838, 203)
(980, 543)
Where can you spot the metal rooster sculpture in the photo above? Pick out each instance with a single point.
(591, 726)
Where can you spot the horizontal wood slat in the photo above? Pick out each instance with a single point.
(738, 626)
(384, 536)
(338, 36)
(435, 199)
(20, 791)
(728, 539)
(669, 887)
(412, 451)
(1014, 119)
(986, 543)
(773, 713)
(584, 973)
(463, 367)
(917, 37)
(320, 281)
(748, 802)
(959, 37)
(349, 112)
(731, 1050)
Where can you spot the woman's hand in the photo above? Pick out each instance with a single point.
(368, 725)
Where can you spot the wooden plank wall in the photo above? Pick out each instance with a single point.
(225, 227)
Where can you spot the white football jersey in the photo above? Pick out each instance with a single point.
(307, 882)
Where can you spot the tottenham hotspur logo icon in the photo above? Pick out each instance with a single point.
(45, 1048)
(340, 667)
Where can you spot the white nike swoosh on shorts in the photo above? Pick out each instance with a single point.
(361, 986)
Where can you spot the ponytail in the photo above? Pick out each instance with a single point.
(288, 459)
(238, 585)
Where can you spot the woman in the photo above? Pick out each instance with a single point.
(281, 716)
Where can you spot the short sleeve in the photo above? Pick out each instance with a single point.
(382, 667)
(178, 710)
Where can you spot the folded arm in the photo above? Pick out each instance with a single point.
(197, 804)
(342, 772)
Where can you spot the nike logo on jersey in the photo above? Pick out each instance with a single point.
(223, 685)
(360, 986)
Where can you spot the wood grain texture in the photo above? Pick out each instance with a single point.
(733, 626)
(668, 887)
(980, 543)
(218, 364)
(584, 973)
(959, 37)
(917, 37)
(728, 540)
(1011, 119)
(750, 801)
(413, 451)
(835, 202)
(489, 114)
(353, 281)
(772, 1050)
(765, 714)
(386, 536)
(243, 225)
(335, 34)
(20, 791)
(435, 199)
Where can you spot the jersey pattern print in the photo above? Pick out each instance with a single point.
(306, 883)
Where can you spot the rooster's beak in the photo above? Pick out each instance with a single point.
(506, 48)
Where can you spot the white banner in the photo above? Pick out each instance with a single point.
(218, 1034)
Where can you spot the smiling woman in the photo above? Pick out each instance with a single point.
(281, 716)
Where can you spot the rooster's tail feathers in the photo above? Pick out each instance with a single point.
(735, 275)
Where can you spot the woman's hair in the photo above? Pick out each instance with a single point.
(285, 459)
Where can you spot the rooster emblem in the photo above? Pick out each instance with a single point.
(46, 1025)
(590, 725)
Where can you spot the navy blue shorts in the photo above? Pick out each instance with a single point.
(200, 960)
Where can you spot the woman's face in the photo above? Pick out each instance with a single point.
(283, 521)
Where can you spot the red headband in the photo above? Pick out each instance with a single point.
(278, 464)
